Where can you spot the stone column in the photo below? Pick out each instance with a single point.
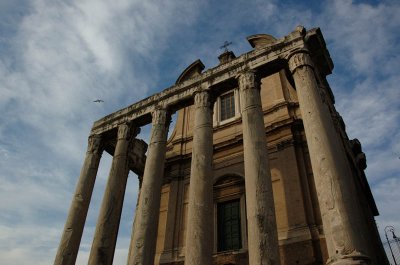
(333, 179)
(144, 234)
(199, 230)
(105, 237)
(71, 238)
(261, 222)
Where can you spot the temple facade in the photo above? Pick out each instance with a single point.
(258, 168)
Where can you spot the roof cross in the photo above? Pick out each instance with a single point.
(225, 46)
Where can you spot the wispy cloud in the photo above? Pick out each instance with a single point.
(60, 57)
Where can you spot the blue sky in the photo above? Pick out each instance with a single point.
(56, 57)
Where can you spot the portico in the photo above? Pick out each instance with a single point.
(298, 55)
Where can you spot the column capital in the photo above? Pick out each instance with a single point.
(299, 58)
(202, 98)
(95, 144)
(127, 131)
(247, 79)
(160, 115)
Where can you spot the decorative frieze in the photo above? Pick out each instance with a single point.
(183, 91)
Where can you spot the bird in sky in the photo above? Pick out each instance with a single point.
(98, 100)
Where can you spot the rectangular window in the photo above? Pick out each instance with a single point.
(229, 231)
(227, 106)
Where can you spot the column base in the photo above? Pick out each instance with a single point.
(354, 258)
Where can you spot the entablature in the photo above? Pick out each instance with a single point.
(264, 60)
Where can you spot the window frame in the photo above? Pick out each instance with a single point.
(217, 108)
(227, 106)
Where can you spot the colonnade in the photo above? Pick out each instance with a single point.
(328, 161)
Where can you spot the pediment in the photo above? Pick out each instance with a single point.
(258, 41)
(191, 71)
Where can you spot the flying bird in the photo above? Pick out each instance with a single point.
(98, 100)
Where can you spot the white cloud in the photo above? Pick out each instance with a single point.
(362, 35)
(27, 244)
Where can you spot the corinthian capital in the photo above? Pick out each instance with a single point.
(202, 99)
(127, 132)
(94, 144)
(159, 116)
(123, 131)
(299, 59)
(247, 79)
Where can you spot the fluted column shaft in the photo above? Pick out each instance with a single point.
(199, 230)
(261, 222)
(333, 179)
(105, 237)
(144, 234)
(73, 229)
